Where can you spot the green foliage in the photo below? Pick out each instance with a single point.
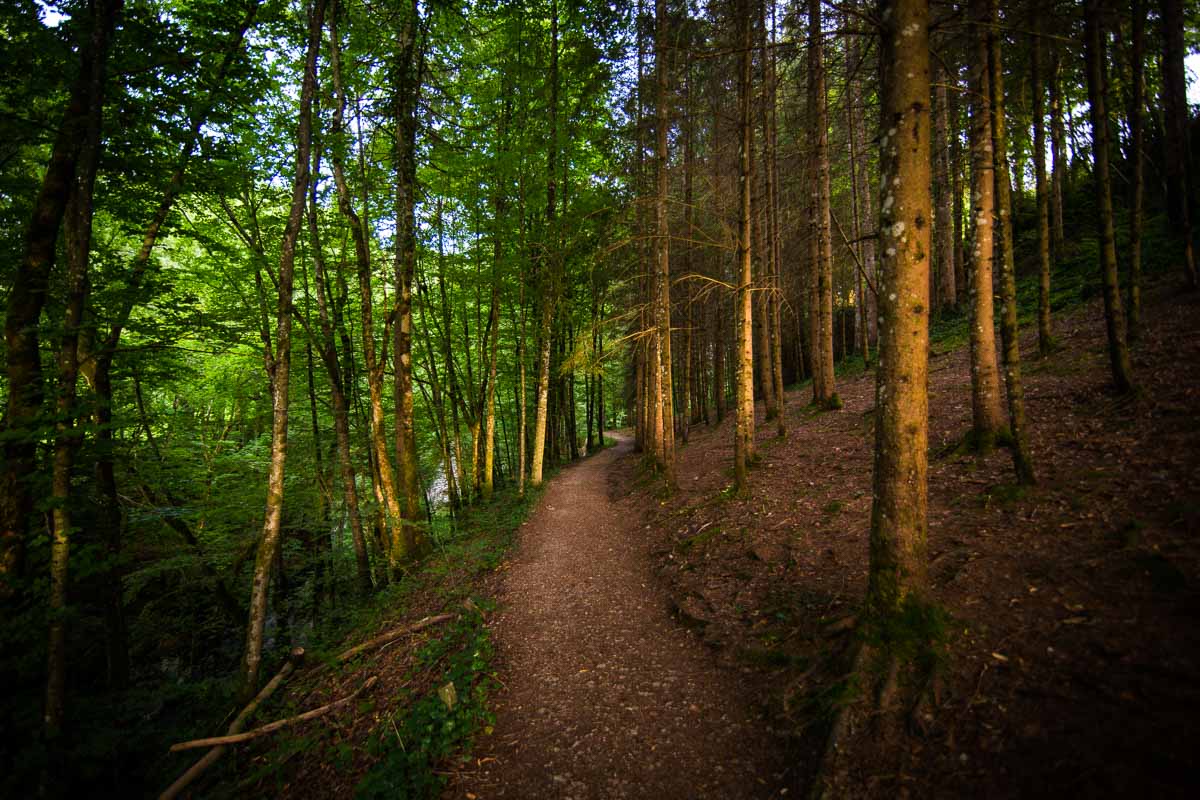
(426, 731)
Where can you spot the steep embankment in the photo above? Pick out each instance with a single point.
(1073, 657)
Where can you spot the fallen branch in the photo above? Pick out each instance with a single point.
(210, 758)
(236, 738)
(394, 633)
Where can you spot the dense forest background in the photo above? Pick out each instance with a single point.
(294, 290)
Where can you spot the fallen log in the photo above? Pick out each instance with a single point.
(236, 738)
(210, 758)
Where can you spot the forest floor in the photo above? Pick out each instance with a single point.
(603, 693)
(677, 644)
(1072, 649)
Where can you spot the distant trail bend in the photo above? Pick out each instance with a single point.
(604, 694)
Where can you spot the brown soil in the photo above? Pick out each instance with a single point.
(604, 693)
(1074, 650)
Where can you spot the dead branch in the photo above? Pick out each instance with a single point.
(237, 738)
(210, 758)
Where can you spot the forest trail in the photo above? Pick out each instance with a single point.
(604, 693)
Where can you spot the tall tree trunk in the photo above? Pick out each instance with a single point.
(663, 239)
(943, 226)
(985, 379)
(1176, 120)
(67, 437)
(1045, 332)
(744, 435)
(27, 298)
(1137, 136)
(280, 369)
(826, 393)
(1114, 315)
(1058, 154)
(329, 354)
(550, 283)
(410, 64)
(1010, 334)
(899, 513)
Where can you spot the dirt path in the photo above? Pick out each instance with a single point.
(605, 694)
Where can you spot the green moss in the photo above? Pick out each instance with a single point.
(918, 634)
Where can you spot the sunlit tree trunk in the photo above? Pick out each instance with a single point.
(826, 393)
(662, 239)
(899, 518)
(985, 379)
(549, 266)
(744, 434)
(280, 369)
(1114, 315)
(1010, 333)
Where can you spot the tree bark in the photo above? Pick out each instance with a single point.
(1114, 316)
(27, 298)
(824, 391)
(280, 368)
(1176, 119)
(1042, 190)
(744, 433)
(899, 513)
(1010, 334)
(985, 379)
(67, 437)
(663, 240)
(943, 227)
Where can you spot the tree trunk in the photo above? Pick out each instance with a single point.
(1176, 120)
(413, 538)
(1010, 333)
(744, 434)
(985, 379)
(280, 367)
(943, 226)
(663, 241)
(67, 437)
(27, 298)
(1114, 316)
(1137, 136)
(1058, 155)
(825, 393)
(549, 266)
(899, 524)
(1045, 333)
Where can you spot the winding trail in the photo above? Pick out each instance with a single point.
(604, 694)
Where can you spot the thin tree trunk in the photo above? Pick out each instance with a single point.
(943, 224)
(549, 267)
(1137, 129)
(1045, 332)
(985, 379)
(744, 434)
(663, 241)
(1114, 316)
(280, 367)
(1177, 118)
(1058, 155)
(1010, 333)
(819, 140)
